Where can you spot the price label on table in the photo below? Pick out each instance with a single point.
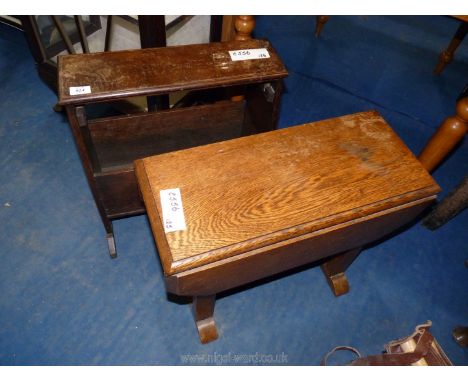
(77, 90)
(249, 54)
(172, 210)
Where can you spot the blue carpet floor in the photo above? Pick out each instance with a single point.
(63, 301)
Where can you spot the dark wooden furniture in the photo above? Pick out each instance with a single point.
(108, 146)
(418, 349)
(447, 55)
(43, 48)
(454, 203)
(460, 335)
(76, 29)
(444, 58)
(319, 24)
(259, 205)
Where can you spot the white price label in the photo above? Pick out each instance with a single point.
(172, 210)
(248, 54)
(77, 90)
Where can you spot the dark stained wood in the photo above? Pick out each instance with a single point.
(108, 39)
(43, 55)
(48, 72)
(152, 31)
(263, 116)
(88, 161)
(203, 311)
(33, 37)
(447, 55)
(293, 181)
(63, 33)
(320, 22)
(449, 207)
(447, 136)
(216, 27)
(334, 270)
(108, 146)
(157, 71)
(141, 135)
(460, 335)
(82, 33)
(119, 193)
(153, 35)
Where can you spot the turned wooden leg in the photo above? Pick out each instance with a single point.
(244, 26)
(203, 310)
(452, 130)
(321, 20)
(334, 271)
(447, 55)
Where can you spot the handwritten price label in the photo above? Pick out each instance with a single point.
(77, 90)
(249, 54)
(172, 210)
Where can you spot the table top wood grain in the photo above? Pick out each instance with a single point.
(155, 71)
(254, 191)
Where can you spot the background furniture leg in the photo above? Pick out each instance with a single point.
(447, 55)
(321, 20)
(107, 41)
(460, 335)
(452, 130)
(153, 35)
(203, 311)
(110, 239)
(228, 30)
(449, 207)
(244, 26)
(334, 269)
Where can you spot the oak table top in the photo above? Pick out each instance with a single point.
(254, 191)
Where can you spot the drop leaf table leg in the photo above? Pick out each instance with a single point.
(334, 270)
(203, 311)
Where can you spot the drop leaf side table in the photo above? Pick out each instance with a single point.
(256, 206)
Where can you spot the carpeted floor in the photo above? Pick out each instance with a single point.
(63, 301)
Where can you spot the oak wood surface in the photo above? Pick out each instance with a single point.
(157, 71)
(251, 192)
(289, 254)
